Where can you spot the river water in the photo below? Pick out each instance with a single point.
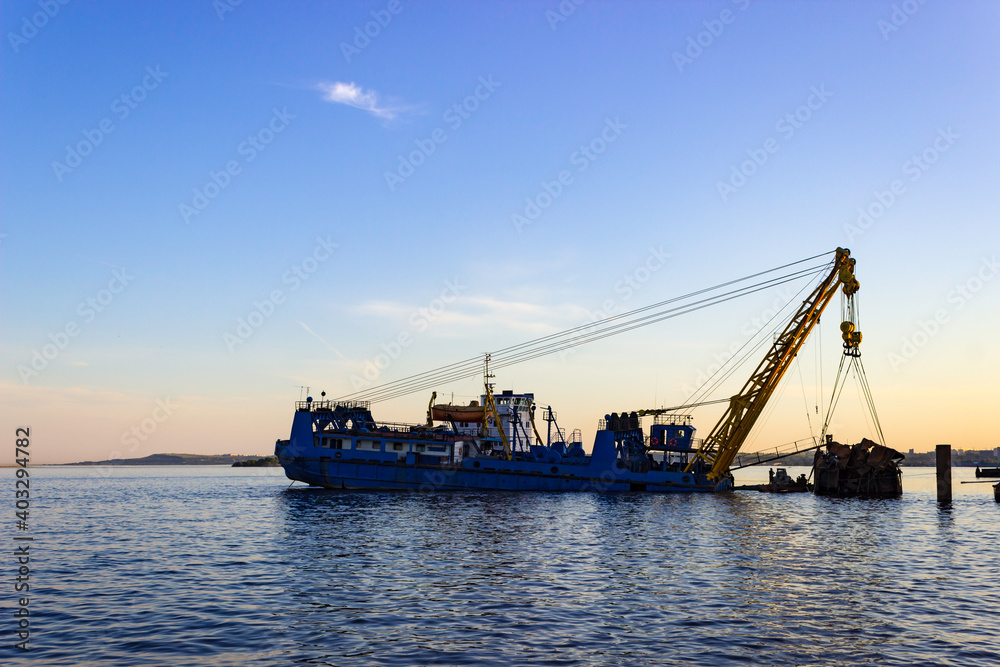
(229, 566)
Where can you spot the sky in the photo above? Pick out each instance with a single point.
(207, 206)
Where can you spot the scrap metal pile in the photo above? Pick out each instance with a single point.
(865, 470)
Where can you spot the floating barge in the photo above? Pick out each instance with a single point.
(987, 472)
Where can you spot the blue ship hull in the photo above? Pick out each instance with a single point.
(496, 474)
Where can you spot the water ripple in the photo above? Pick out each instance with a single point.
(177, 566)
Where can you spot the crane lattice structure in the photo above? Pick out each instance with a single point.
(723, 444)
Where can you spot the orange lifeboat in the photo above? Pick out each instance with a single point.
(471, 413)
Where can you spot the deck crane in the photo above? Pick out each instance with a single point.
(732, 430)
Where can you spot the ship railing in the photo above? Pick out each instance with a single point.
(623, 424)
(673, 419)
(396, 427)
(331, 405)
(381, 429)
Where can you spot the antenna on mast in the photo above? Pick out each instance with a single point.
(487, 376)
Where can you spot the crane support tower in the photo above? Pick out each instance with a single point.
(721, 446)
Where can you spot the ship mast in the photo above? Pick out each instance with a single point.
(490, 408)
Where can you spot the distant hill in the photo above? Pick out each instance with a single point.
(174, 460)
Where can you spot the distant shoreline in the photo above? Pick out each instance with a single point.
(171, 460)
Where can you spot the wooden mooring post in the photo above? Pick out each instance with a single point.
(943, 453)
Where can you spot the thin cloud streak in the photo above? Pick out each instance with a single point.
(321, 339)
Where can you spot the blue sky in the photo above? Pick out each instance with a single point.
(267, 122)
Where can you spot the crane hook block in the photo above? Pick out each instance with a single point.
(851, 286)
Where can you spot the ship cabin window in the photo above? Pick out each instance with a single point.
(421, 448)
(437, 448)
(397, 446)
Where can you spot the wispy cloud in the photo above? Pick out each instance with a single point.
(355, 96)
(486, 314)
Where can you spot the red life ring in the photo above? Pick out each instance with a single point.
(673, 442)
(654, 442)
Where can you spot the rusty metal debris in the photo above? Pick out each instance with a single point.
(865, 470)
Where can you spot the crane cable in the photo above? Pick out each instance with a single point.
(699, 395)
(473, 369)
(805, 401)
(861, 401)
(835, 397)
(819, 364)
(862, 379)
(556, 342)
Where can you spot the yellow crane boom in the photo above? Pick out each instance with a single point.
(729, 434)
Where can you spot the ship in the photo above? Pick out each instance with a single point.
(340, 445)
(493, 442)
